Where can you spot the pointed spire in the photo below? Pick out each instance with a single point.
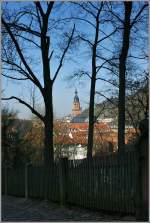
(76, 98)
(76, 91)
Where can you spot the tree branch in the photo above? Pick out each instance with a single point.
(85, 9)
(38, 17)
(29, 40)
(85, 40)
(27, 105)
(15, 78)
(107, 36)
(81, 73)
(81, 19)
(36, 81)
(138, 14)
(38, 5)
(106, 98)
(51, 55)
(102, 79)
(93, 5)
(24, 28)
(50, 6)
(63, 55)
(20, 69)
(109, 61)
(115, 15)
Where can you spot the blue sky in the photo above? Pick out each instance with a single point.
(63, 91)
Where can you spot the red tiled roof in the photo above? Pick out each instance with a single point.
(85, 125)
(79, 133)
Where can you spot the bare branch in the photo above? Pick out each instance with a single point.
(63, 55)
(85, 20)
(108, 81)
(15, 78)
(36, 81)
(84, 8)
(85, 40)
(38, 17)
(51, 55)
(107, 36)
(50, 6)
(138, 14)
(81, 73)
(24, 28)
(38, 5)
(101, 94)
(93, 5)
(20, 69)
(27, 105)
(136, 57)
(100, 112)
(114, 14)
(29, 40)
(109, 61)
(22, 13)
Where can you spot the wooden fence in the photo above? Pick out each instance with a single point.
(105, 183)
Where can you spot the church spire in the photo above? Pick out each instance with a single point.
(76, 98)
(76, 109)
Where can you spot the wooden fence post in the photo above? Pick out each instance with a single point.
(63, 169)
(26, 181)
(142, 177)
(5, 182)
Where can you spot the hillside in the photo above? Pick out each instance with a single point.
(136, 108)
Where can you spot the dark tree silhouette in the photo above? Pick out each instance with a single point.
(98, 61)
(36, 32)
(127, 26)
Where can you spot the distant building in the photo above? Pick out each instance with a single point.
(76, 108)
(105, 120)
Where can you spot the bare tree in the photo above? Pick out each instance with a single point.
(127, 24)
(122, 71)
(98, 61)
(34, 30)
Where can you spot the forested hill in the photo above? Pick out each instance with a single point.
(136, 107)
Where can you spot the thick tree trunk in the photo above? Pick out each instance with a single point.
(91, 120)
(92, 90)
(48, 142)
(122, 79)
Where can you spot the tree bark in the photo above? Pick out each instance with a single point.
(48, 122)
(48, 87)
(122, 78)
(91, 119)
(92, 90)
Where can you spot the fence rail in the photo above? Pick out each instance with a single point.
(105, 183)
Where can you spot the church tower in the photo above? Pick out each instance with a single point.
(76, 109)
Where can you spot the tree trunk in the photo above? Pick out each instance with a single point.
(91, 120)
(92, 90)
(48, 141)
(122, 79)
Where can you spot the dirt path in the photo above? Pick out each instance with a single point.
(20, 209)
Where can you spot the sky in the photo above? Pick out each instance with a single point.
(63, 92)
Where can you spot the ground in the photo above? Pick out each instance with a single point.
(21, 209)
